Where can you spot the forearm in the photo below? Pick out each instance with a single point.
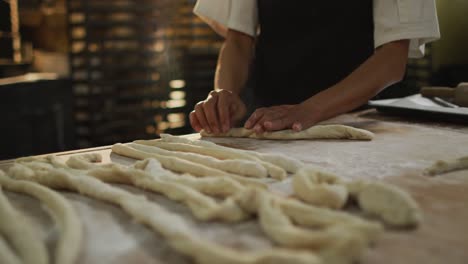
(234, 62)
(384, 68)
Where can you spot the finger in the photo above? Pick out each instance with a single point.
(260, 127)
(224, 113)
(194, 121)
(200, 113)
(254, 118)
(211, 113)
(268, 114)
(278, 124)
(272, 113)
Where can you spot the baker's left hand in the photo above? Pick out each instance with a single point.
(296, 117)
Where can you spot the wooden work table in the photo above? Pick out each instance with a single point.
(398, 154)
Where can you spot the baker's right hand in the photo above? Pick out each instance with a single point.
(218, 113)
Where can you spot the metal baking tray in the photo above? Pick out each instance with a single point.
(416, 105)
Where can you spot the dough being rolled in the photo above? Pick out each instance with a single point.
(315, 132)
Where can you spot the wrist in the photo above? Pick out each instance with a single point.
(231, 91)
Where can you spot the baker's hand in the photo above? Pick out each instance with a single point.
(296, 117)
(221, 110)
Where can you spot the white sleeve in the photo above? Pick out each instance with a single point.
(415, 20)
(239, 15)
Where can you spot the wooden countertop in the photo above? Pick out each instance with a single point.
(398, 154)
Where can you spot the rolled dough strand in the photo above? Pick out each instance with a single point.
(202, 206)
(184, 166)
(280, 228)
(390, 203)
(315, 132)
(69, 242)
(169, 225)
(311, 216)
(241, 167)
(273, 170)
(319, 188)
(337, 244)
(6, 253)
(441, 166)
(16, 228)
(289, 164)
(316, 217)
(213, 186)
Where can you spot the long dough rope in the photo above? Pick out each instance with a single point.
(20, 233)
(181, 165)
(344, 240)
(287, 163)
(241, 167)
(169, 225)
(213, 186)
(69, 243)
(441, 166)
(315, 132)
(273, 170)
(203, 207)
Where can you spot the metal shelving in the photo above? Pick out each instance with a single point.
(126, 59)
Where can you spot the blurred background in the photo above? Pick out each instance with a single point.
(82, 73)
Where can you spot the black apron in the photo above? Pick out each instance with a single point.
(307, 46)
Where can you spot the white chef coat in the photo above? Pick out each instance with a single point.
(415, 20)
